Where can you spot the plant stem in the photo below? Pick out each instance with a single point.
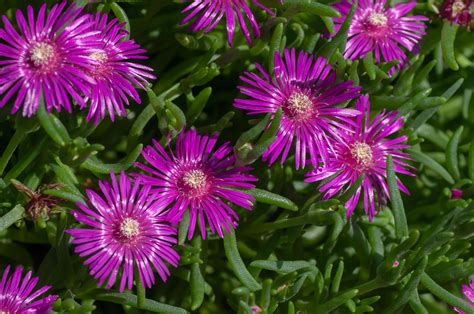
(141, 293)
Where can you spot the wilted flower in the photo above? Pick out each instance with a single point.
(208, 13)
(39, 204)
(114, 71)
(468, 291)
(364, 151)
(306, 90)
(127, 228)
(198, 178)
(383, 31)
(457, 12)
(17, 296)
(46, 59)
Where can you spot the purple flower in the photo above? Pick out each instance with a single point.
(208, 13)
(310, 98)
(364, 152)
(198, 178)
(46, 59)
(457, 12)
(468, 291)
(114, 71)
(127, 228)
(17, 296)
(383, 31)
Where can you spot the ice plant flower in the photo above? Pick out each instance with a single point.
(457, 12)
(468, 291)
(382, 31)
(46, 59)
(364, 151)
(306, 89)
(206, 14)
(126, 229)
(17, 296)
(114, 71)
(199, 178)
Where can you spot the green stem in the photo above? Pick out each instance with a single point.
(317, 217)
(445, 295)
(11, 147)
(369, 286)
(141, 292)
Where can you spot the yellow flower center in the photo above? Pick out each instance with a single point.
(299, 106)
(129, 228)
(378, 19)
(195, 178)
(42, 54)
(362, 153)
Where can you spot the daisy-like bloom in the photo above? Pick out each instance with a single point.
(383, 31)
(208, 13)
(17, 296)
(45, 59)
(126, 228)
(457, 12)
(364, 151)
(468, 291)
(114, 71)
(198, 178)
(306, 90)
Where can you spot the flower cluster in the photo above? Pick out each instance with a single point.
(66, 58)
(341, 142)
(127, 232)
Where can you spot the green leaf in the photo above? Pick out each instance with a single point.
(281, 266)
(95, 165)
(452, 154)
(238, 266)
(52, 126)
(308, 6)
(432, 164)
(370, 65)
(197, 286)
(337, 301)
(270, 198)
(470, 161)
(448, 35)
(444, 295)
(11, 217)
(129, 299)
(401, 227)
(196, 107)
(122, 17)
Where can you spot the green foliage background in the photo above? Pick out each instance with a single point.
(293, 252)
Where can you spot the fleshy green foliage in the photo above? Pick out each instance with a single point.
(293, 252)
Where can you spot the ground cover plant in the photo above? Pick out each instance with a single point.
(233, 156)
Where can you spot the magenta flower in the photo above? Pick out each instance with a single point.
(468, 291)
(364, 151)
(127, 228)
(310, 98)
(457, 12)
(383, 31)
(17, 296)
(198, 178)
(114, 71)
(46, 59)
(208, 13)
